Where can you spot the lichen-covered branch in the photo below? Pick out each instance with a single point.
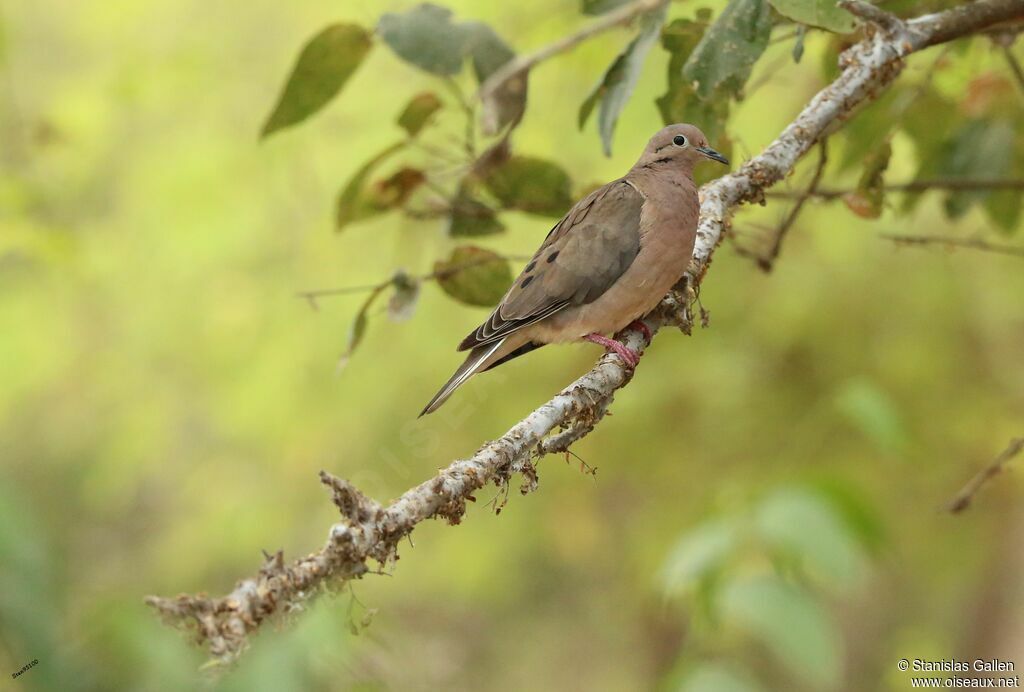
(369, 532)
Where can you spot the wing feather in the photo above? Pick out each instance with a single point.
(583, 255)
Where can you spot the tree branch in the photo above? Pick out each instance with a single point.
(947, 184)
(953, 241)
(524, 63)
(311, 296)
(767, 261)
(372, 532)
(1014, 65)
(963, 498)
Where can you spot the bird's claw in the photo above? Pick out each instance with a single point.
(629, 357)
(641, 327)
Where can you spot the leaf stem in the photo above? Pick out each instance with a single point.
(524, 63)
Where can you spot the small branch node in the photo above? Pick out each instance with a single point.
(874, 15)
(353, 505)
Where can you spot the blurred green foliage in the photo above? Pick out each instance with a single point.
(166, 401)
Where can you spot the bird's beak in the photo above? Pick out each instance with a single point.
(712, 154)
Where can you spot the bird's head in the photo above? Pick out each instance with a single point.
(678, 146)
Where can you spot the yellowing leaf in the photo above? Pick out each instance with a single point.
(506, 104)
(324, 65)
(351, 204)
(418, 112)
(867, 199)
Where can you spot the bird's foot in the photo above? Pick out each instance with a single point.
(641, 327)
(630, 357)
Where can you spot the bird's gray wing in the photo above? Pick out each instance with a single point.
(583, 255)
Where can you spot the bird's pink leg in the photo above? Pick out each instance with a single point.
(641, 327)
(630, 357)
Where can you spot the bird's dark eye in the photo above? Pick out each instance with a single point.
(679, 141)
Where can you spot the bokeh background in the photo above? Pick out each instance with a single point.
(166, 401)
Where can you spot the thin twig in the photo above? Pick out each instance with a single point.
(873, 14)
(766, 262)
(443, 273)
(327, 292)
(1015, 67)
(962, 500)
(784, 37)
(953, 242)
(524, 63)
(469, 135)
(948, 184)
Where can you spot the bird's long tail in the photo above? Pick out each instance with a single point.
(477, 360)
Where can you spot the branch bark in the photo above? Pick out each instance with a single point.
(963, 498)
(945, 184)
(955, 242)
(369, 531)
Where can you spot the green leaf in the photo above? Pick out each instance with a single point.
(506, 104)
(858, 513)
(418, 112)
(798, 44)
(870, 125)
(471, 217)
(324, 65)
(532, 185)
(615, 88)
(352, 204)
(595, 7)
(867, 198)
(825, 14)
(871, 411)
(699, 553)
(727, 52)
(803, 525)
(358, 328)
(425, 37)
(929, 121)
(680, 104)
(790, 623)
(474, 276)
(983, 149)
(716, 677)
